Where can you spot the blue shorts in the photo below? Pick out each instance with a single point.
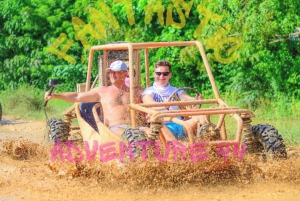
(176, 129)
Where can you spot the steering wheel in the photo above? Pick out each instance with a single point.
(175, 97)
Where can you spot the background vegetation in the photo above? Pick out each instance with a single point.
(264, 74)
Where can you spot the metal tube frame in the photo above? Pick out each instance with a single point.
(221, 110)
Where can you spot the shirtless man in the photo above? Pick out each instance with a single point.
(160, 92)
(114, 98)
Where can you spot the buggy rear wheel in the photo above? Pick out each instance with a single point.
(208, 132)
(132, 136)
(57, 130)
(268, 142)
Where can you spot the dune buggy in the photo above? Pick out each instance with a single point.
(258, 139)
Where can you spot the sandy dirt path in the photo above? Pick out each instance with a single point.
(27, 173)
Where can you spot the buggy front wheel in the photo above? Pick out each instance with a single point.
(268, 142)
(57, 130)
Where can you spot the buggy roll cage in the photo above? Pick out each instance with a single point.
(242, 116)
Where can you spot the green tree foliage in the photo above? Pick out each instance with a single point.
(27, 28)
(264, 68)
(261, 68)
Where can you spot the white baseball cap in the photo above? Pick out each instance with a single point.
(117, 66)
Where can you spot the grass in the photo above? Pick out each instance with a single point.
(287, 128)
(283, 113)
(28, 102)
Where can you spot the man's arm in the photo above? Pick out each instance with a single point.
(185, 96)
(147, 98)
(90, 96)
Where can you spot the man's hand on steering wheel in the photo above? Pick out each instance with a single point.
(167, 101)
(199, 97)
(175, 97)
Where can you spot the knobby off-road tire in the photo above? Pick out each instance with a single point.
(207, 132)
(268, 142)
(0, 112)
(57, 130)
(131, 136)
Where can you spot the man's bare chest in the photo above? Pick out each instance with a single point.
(116, 99)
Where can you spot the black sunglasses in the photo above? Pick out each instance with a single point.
(164, 73)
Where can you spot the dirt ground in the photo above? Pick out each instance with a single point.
(27, 173)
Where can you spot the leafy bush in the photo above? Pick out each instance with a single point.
(68, 76)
